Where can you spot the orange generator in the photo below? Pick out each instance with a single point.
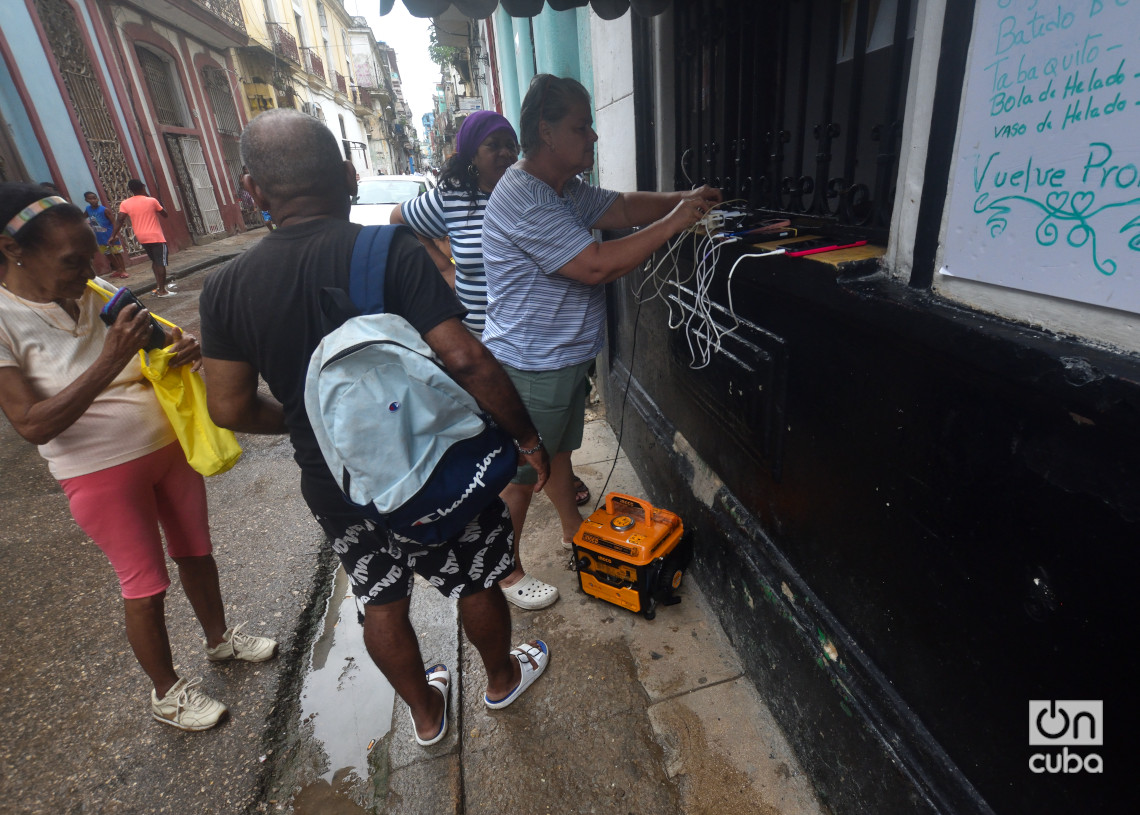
(632, 554)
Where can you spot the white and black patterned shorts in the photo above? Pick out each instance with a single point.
(382, 565)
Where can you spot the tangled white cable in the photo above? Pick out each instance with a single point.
(703, 333)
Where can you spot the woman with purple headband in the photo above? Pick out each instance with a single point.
(486, 145)
(70, 385)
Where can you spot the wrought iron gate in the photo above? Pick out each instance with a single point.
(229, 130)
(89, 105)
(194, 181)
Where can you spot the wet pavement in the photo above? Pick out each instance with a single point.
(632, 716)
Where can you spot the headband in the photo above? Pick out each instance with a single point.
(29, 212)
(475, 130)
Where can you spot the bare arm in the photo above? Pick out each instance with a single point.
(481, 375)
(121, 220)
(605, 262)
(40, 420)
(234, 401)
(441, 261)
(640, 208)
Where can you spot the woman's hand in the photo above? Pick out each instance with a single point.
(707, 196)
(128, 335)
(693, 206)
(186, 350)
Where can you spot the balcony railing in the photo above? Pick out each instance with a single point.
(340, 82)
(283, 42)
(228, 10)
(314, 64)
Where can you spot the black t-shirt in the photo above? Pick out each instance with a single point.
(262, 308)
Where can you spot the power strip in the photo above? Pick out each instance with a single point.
(712, 220)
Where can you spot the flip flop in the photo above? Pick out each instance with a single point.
(439, 678)
(531, 593)
(581, 491)
(541, 656)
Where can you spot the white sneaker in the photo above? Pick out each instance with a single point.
(242, 646)
(186, 707)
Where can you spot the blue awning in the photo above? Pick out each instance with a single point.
(480, 9)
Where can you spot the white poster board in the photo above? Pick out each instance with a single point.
(1045, 193)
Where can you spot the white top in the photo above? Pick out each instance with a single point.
(452, 214)
(124, 422)
(537, 319)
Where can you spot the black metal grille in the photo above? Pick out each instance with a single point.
(160, 83)
(87, 100)
(795, 106)
(228, 10)
(222, 101)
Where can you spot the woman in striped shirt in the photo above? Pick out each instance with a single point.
(546, 274)
(486, 146)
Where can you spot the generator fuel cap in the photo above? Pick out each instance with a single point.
(622, 523)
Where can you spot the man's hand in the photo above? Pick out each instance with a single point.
(480, 374)
(540, 460)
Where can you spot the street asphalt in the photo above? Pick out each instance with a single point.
(632, 716)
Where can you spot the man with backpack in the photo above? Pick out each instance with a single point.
(262, 316)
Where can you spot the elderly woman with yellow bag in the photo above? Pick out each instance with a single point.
(75, 387)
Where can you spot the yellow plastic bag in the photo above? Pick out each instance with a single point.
(181, 394)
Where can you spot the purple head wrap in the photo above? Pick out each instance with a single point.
(475, 130)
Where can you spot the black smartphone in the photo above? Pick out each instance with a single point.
(124, 297)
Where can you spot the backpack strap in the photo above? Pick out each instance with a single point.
(369, 263)
(366, 273)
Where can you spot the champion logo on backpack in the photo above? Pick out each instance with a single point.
(432, 461)
(477, 481)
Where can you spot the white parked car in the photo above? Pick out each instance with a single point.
(377, 196)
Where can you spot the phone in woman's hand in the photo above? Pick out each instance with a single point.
(123, 297)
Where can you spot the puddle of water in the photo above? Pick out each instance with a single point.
(345, 697)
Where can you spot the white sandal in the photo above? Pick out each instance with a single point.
(529, 670)
(531, 593)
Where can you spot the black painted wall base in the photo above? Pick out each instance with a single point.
(790, 645)
(918, 519)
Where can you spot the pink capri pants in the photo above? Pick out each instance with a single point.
(121, 507)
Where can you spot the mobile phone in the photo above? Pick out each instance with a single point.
(758, 236)
(816, 245)
(122, 298)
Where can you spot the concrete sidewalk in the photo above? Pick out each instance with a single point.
(632, 715)
(189, 260)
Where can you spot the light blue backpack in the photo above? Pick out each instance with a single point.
(398, 433)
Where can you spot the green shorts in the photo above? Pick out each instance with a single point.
(556, 401)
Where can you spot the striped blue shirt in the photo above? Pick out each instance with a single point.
(452, 214)
(537, 319)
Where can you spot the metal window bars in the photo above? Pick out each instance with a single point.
(795, 106)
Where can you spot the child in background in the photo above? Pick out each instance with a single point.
(100, 221)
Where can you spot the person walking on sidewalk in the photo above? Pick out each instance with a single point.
(101, 224)
(261, 318)
(70, 385)
(142, 213)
